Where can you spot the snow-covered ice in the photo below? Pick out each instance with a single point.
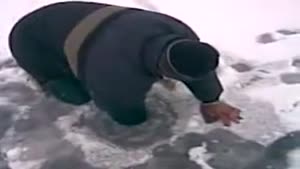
(260, 69)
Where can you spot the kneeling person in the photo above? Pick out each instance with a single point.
(80, 51)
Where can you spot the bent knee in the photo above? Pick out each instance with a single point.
(129, 117)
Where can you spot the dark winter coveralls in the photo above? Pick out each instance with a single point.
(117, 62)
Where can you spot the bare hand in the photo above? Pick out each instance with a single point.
(220, 111)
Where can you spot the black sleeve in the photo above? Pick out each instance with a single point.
(207, 89)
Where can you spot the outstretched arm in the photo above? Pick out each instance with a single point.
(208, 91)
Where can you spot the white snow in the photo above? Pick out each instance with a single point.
(200, 156)
(283, 97)
(26, 164)
(13, 156)
(233, 25)
(14, 153)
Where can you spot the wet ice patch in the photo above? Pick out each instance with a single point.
(14, 74)
(157, 128)
(6, 118)
(28, 135)
(18, 93)
(211, 151)
(3, 162)
(97, 151)
(67, 162)
(258, 122)
(280, 154)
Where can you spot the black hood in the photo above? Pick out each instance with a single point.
(188, 60)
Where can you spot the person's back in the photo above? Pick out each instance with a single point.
(126, 62)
